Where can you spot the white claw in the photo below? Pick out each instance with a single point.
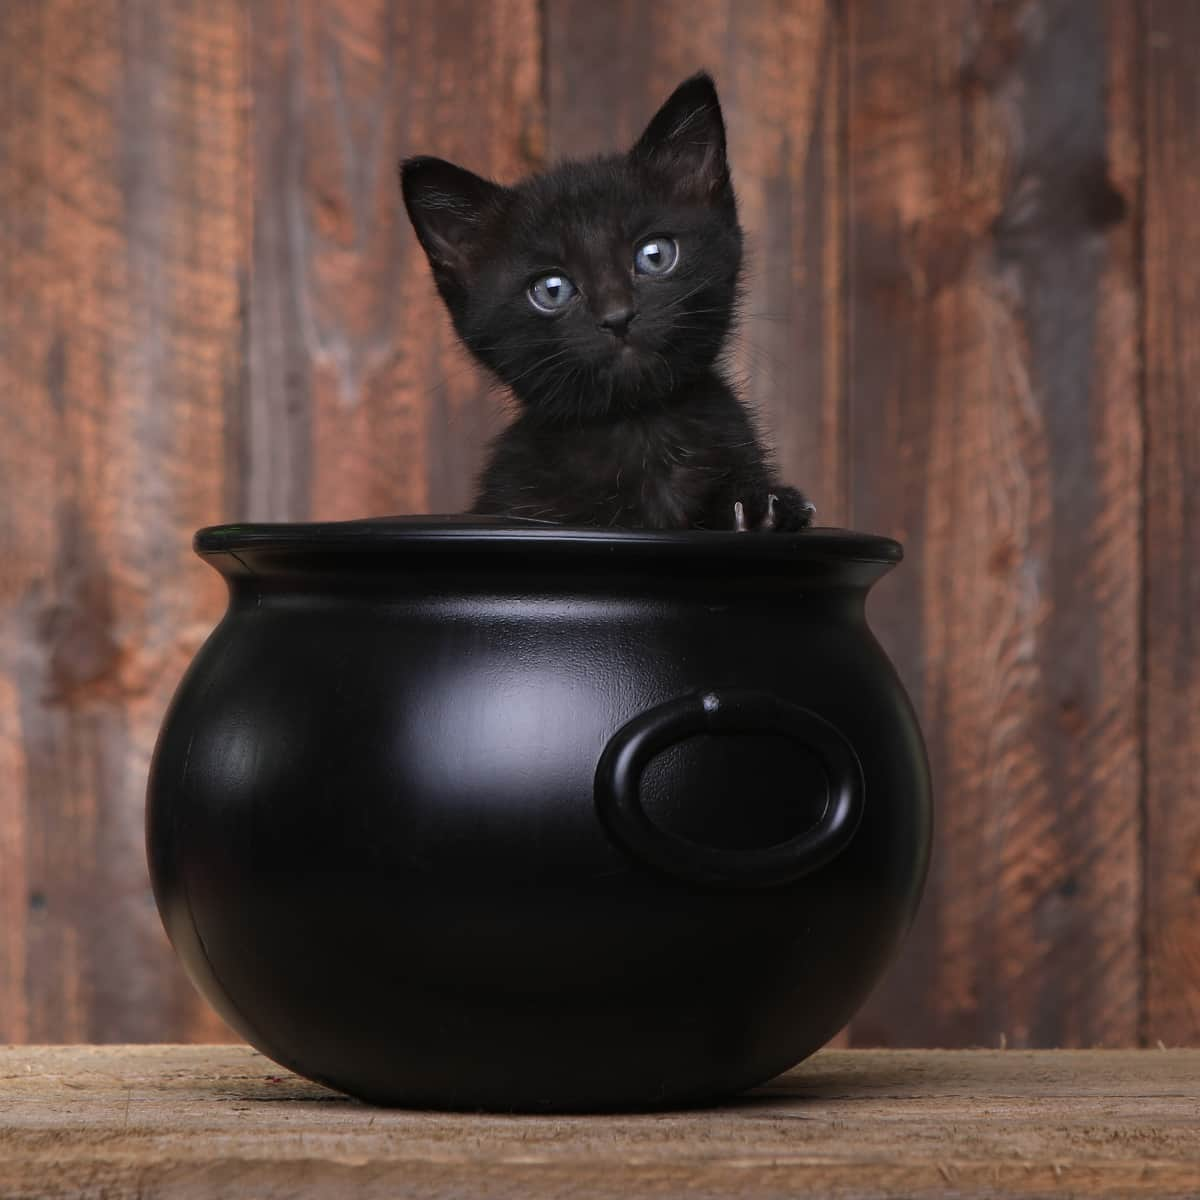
(739, 517)
(769, 519)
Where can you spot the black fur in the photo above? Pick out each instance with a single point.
(637, 428)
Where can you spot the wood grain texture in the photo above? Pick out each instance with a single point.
(212, 307)
(360, 402)
(1172, 242)
(180, 1122)
(993, 396)
(777, 66)
(121, 234)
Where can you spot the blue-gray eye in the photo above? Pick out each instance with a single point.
(656, 256)
(551, 292)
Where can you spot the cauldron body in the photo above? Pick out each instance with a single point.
(499, 816)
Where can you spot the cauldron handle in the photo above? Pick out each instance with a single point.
(727, 711)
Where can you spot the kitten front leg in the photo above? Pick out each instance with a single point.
(787, 511)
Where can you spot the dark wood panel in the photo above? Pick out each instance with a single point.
(360, 401)
(1172, 915)
(121, 238)
(777, 66)
(995, 422)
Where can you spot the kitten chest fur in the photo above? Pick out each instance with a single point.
(673, 464)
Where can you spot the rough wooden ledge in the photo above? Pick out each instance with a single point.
(202, 1121)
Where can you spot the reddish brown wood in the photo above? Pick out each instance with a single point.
(211, 307)
(360, 401)
(122, 234)
(777, 67)
(1172, 914)
(996, 430)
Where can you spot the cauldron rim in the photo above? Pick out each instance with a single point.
(504, 535)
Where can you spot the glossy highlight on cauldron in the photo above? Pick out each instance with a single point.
(460, 813)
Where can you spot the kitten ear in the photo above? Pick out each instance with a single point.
(448, 207)
(687, 137)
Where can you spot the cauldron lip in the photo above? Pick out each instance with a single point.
(506, 535)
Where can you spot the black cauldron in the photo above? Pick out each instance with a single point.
(497, 815)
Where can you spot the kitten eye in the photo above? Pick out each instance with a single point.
(551, 292)
(656, 257)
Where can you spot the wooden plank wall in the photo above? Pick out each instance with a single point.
(969, 326)
(123, 265)
(996, 427)
(1172, 521)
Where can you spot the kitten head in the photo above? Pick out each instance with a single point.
(596, 287)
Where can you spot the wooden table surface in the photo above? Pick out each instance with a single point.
(193, 1121)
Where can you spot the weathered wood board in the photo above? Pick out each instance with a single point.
(996, 430)
(179, 1122)
(969, 323)
(1171, 689)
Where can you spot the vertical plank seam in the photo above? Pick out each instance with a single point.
(841, 53)
(1141, 26)
(543, 18)
(236, 490)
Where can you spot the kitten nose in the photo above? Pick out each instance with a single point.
(617, 319)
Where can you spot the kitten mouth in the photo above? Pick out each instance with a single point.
(626, 361)
(625, 365)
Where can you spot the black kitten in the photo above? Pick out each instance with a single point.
(601, 293)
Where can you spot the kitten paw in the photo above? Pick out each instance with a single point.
(786, 511)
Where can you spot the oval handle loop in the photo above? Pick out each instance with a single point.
(727, 711)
